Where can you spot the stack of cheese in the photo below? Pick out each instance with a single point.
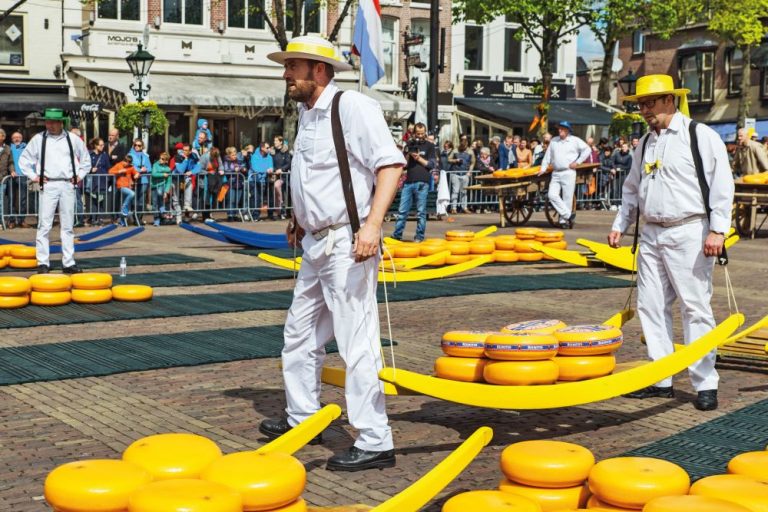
(91, 288)
(14, 292)
(517, 173)
(530, 238)
(179, 472)
(759, 178)
(586, 351)
(5, 255)
(22, 256)
(51, 289)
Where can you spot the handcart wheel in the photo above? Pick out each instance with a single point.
(517, 211)
(743, 220)
(552, 216)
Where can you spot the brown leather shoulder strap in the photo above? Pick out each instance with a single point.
(343, 158)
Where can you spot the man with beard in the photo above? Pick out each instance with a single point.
(335, 293)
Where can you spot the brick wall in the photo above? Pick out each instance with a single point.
(218, 13)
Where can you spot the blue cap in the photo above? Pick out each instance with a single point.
(565, 124)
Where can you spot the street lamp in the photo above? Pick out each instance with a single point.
(628, 84)
(139, 62)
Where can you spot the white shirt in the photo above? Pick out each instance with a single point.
(318, 199)
(672, 193)
(561, 153)
(58, 162)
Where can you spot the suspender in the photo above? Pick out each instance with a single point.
(71, 158)
(343, 158)
(703, 185)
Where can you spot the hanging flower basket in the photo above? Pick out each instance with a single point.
(132, 115)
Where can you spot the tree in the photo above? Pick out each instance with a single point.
(545, 26)
(131, 115)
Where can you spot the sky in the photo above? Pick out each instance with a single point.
(587, 45)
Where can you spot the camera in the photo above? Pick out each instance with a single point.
(413, 146)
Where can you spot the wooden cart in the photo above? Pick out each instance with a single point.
(519, 197)
(750, 208)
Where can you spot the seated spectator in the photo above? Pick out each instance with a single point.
(126, 175)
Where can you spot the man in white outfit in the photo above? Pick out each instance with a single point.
(565, 153)
(679, 241)
(335, 293)
(58, 160)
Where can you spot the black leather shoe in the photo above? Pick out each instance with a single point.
(652, 392)
(43, 269)
(706, 401)
(74, 269)
(275, 427)
(356, 459)
(571, 221)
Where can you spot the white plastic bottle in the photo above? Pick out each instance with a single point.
(123, 267)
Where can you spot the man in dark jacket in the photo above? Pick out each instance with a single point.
(6, 169)
(281, 158)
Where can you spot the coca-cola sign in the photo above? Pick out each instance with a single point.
(514, 89)
(91, 107)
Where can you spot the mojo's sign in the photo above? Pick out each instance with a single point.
(123, 40)
(512, 89)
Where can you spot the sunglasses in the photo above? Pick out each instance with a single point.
(648, 104)
(138, 146)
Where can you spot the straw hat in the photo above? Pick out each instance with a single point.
(658, 85)
(311, 48)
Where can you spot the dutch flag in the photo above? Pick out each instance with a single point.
(367, 40)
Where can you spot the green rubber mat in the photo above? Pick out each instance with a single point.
(147, 259)
(280, 253)
(56, 361)
(205, 276)
(705, 450)
(202, 304)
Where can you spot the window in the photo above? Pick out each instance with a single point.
(245, 14)
(188, 12)
(734, 61)
(118, 9)
(473, 48)
(390, 36)
(638, 42)
(697, 74)
(12, 33)
(513, 51)
(310, 18)
(421, 27)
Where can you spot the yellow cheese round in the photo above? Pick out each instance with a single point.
(548, 464)
(4, 262)
(92, 281)
(562, 245)
(588, 340)
(595, 505)
(490, 501)
(435, 241)
(50, 282)
(5, 249)
(631, 482)
(10, 285)
(547, 326)
(755, 178)
(482, 246)
(458, 248)
(549, 499)
(526, 246)
(266, 481)
(464, 343)
(692, 504)
(530, 256)
(526, 233)
(462, 235)
(96, 485)
(185, 495)
(175, 455)
(430, 249)
(743, 490)
(13, 301)
(751, 464)
(504, 256)
(50, 298)
(505, 242)
(521, 373)
(549, 236)
(584, 367)
(464, 369)
(440, 261)
(520, 347)
(23, 252)
(406, 251)
(131, 292)
(91, 296)
(455, 259)
(23, 263)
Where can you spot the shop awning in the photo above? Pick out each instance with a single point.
(31, 102)
(577, 112)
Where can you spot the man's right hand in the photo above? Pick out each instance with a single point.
(614, 239)
(295, 233)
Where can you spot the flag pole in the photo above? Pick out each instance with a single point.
(360, 78)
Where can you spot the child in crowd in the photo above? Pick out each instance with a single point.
(202, 127)
(160, 184)
(126, 174)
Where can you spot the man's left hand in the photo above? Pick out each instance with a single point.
(713, 245)
(366, 242)
(573, 165)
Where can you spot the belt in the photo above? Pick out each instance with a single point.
(322, 233)
(59, 179)
(681, 222)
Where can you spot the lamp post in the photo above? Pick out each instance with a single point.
(628, 84)
(139, 63)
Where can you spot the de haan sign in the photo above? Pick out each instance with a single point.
(511, 89)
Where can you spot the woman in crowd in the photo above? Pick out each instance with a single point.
(214, 179)
(524, 155)
(96, 184)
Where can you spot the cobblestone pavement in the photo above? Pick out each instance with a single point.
(46, 424)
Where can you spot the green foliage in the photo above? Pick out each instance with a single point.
(131, 115)
(621, 124)
(739, 21)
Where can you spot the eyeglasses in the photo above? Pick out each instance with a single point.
(137, 145)
(647, 104)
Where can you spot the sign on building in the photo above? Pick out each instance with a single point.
(513, 89)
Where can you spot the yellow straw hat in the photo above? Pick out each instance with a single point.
(310, 48)
(658, 85)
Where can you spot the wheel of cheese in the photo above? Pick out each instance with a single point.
(455, 259)
(435, 241)
(526, 233)
(562, 245)
(5, 250)
(754, 178)
(588, 340)
(464, 369)
(505, 242)
(266, 481)
(23, 252)
(526, 246)
(185, 495)
(7, 259)
(549, 499)
(92, 281)
(490, 501)
(464, 343)
(584, 367)
(23, 263)
(406, 250)
(482, 246)
(10, 285)
(631, 482)
(520, 347)
(743, 490)
(131, 292)
(458, 248)
(504, 256)
(13, 301)
(595, 505)
(530, 256)
(430, 249)
(534, 327)
(50, 298)
(176, 455)
(386, 251)
(490, 257)
(439, 262)
(692, 504)
(97, 485)
(751, 464)
(50, 282)
(520, 373)
(548, 464)
(549, 235)
(462, 235)
(91, 296)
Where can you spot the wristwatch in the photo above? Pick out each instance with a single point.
(717, 232)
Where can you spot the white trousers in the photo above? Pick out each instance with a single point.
(61, 195)
(565, 182)
(335, 296)
(671, 265)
